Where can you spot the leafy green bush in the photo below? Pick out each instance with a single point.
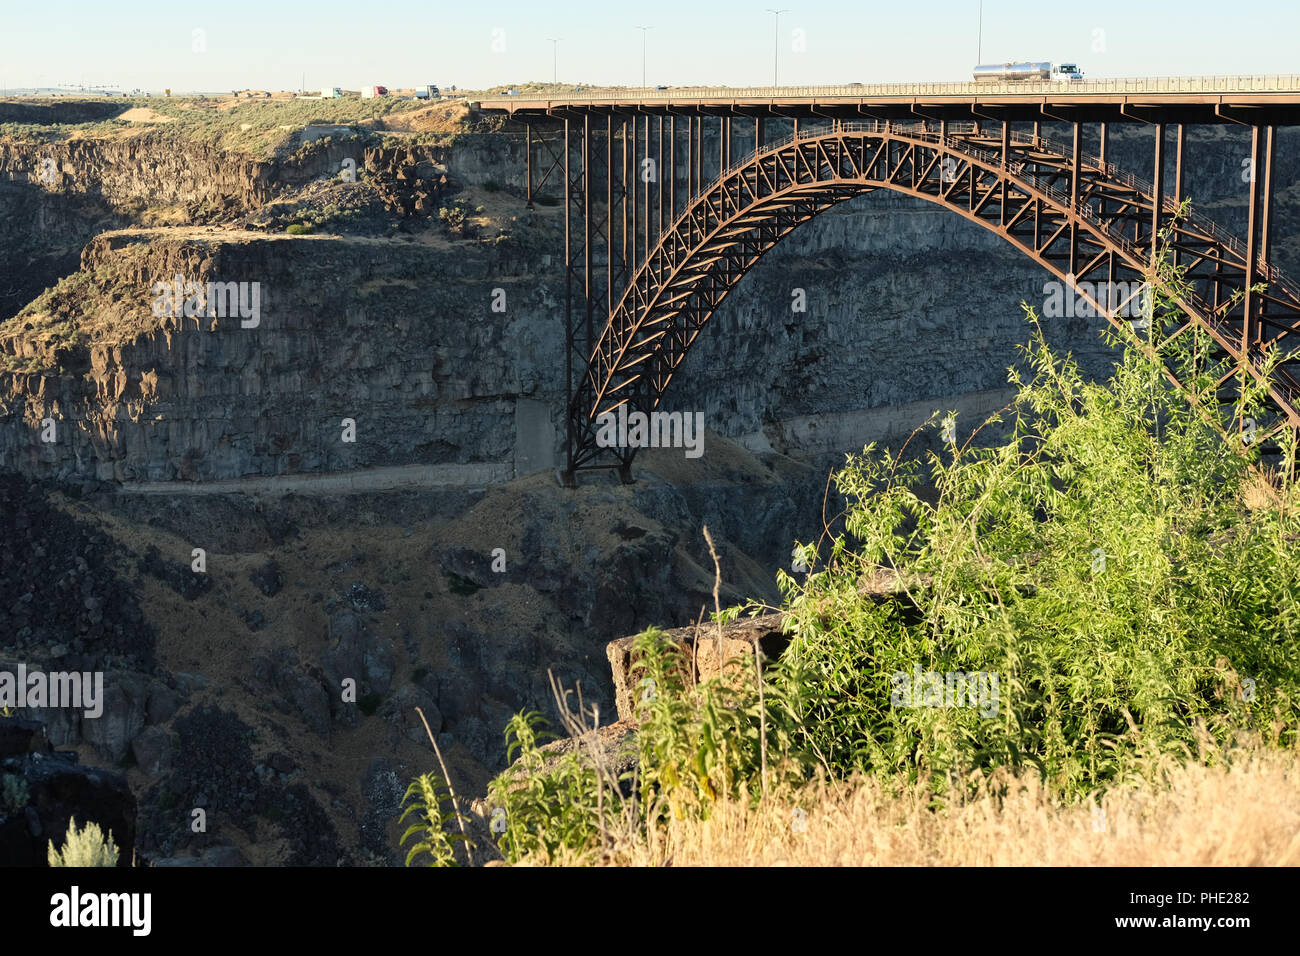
(695, 744)
(455, 215)
(426, 796)
(87, 847)
(329, 216)
(14, 794)
(1101, 562)
(535, 808)
(297, 229)
(699, 742)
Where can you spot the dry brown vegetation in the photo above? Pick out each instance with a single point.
(1240, 810)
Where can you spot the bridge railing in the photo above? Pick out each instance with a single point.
(1247, 83)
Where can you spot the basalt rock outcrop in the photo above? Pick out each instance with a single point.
(343, 332)
(45, 789)
(908, 310)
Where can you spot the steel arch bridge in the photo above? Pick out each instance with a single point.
(1082, 219)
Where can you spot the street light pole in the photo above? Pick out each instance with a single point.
(555, 45)
(776, 39)
(643, 35)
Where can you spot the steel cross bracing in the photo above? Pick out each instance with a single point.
(651, 250)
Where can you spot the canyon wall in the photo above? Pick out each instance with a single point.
(909, 309)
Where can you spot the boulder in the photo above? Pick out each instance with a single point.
(152, 751)
(700, 645)
(126, 701)
(399, 711)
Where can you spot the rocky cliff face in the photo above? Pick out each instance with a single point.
(56, 197)
(222, 688)
(905, 304)
(398, 338)
(402, 340)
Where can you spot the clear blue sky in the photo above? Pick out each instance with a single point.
(272, 43)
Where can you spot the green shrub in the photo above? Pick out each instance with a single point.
(88, 847)
(297, 229)
(426, 796)
(536, 810)
(455, 215)
(694, 745)
(14, 794)
(327, 217)
(1100, 561)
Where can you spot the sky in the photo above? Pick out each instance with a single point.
(288, 44)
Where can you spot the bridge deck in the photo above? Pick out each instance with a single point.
(1204, 99)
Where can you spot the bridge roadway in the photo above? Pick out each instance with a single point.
(1272, 99)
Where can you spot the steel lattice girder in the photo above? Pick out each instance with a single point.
(1085, 224)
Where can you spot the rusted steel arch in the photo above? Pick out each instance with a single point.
(1077, 216)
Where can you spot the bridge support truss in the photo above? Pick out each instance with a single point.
(665, 209)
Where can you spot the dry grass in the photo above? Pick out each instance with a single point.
(143, 114)
(1262, 490)
(1243, 812)
(448, 117)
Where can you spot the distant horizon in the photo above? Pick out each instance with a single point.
(208, 49)
(310, 90)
